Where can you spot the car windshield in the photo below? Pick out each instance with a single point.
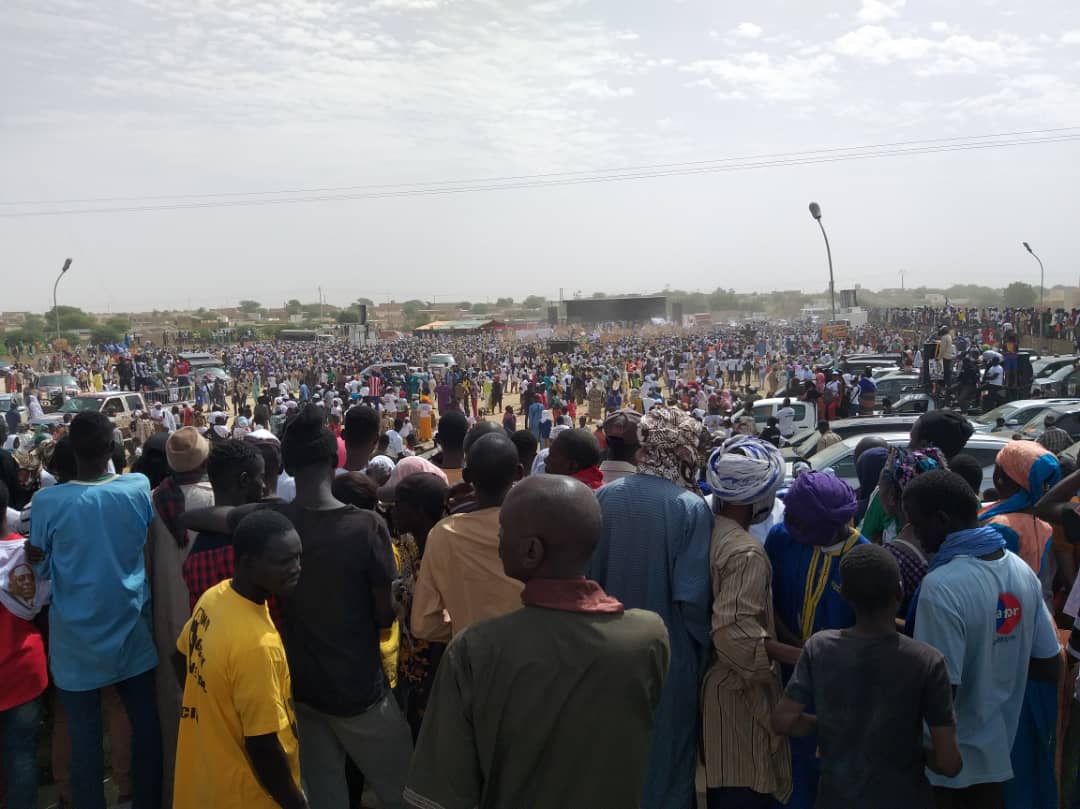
(1037, 426)
(5, 405)
(1060, 373)
(1000, 412)
(829, 456)
(1044, 368)
(804, 443)
(56, 380)
(82, 404)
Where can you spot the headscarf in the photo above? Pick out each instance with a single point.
(816, 507)
(746, 470)
(868, 469)
(670, 446)
(1031, 467)
(903, 465)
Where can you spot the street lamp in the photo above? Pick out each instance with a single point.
(1042, 277)
(815, 211)
(56, 309)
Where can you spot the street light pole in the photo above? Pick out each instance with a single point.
(1042, 279)
(815, 211)
(56, 310)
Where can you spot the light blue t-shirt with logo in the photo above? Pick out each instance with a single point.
(988, 619)
(93, 536)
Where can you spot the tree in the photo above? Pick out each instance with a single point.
(1019, 294)
(465, 306)
(504, 302)
(365, 302)
(348, 316)
(294, 307)
(534, 302)
(250, 307)
(599, 295)
(480, 308)
(71, 318)
(111, 331)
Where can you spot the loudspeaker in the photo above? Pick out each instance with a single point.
(553, 315)
(849, 298)
(363, 312)
(676, 313)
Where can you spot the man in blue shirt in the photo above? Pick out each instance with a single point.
(981, 606)
(87, 537)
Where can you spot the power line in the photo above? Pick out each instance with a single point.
(520, 177)
(557, 179)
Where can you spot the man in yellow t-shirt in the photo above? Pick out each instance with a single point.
(237, 745)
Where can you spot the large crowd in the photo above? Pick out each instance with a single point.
(538, 576)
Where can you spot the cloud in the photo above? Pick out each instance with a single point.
(595, 88)
(773, 79)
(939, 27)
(626, 36)
(875, 11)
(956, 53)
(1070, 38)
(749, 30)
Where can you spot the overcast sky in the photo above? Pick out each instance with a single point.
(133, 98)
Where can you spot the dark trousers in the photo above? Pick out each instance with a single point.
(947, 366)
(736, 798)
(976, 796)
(18, 752)
(87, 756)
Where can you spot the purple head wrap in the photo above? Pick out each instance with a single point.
(816, 507)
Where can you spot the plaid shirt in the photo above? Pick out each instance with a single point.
(1056, 440)
(210, 562)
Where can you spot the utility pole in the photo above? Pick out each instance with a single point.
(902, 274)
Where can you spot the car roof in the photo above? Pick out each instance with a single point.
(983, 439)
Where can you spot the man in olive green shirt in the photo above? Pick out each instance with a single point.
(520, 701)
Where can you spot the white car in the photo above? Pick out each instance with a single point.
(1017, 414)
(840, 458)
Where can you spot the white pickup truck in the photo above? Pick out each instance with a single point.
(805, 413)
(118, 405)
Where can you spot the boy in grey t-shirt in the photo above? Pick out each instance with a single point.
(869, 689)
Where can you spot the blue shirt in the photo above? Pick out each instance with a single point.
(654, 555)
(800, 610)
(93, 536)
(988, 619)
(536, 413)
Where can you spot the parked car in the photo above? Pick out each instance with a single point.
(53, 383)
(804, 443)
(1017, 413)
(1043, 367)
(858, 363)
(1068, 419)
(805, 413)
(120, 404)
(395, 370)
(840, 458)
(7, 401)
(1065, 381)
(895, 386)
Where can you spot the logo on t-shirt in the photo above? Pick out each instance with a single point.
(1008, 613)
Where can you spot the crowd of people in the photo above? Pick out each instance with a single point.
(287, 602)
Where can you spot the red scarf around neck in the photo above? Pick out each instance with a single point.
(591, 476)
(569, 595)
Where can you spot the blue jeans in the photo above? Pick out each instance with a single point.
(87, 756)
(18, 742)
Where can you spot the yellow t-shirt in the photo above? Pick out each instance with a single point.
(237, 685)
